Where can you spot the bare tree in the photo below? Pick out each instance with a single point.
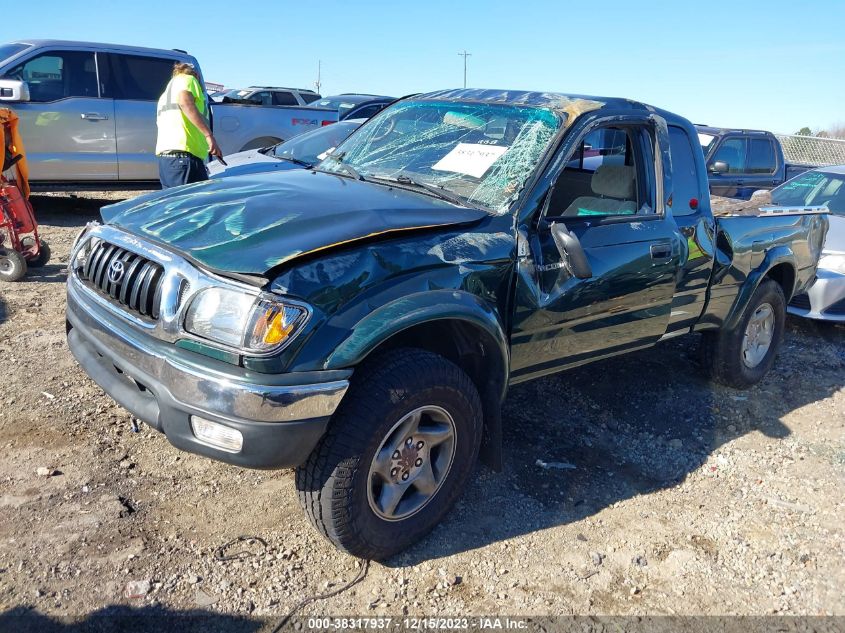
(837, 131)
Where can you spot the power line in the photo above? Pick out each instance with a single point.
(465, 55)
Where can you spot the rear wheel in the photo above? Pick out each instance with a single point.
(741, 357)
(12, 265)
(397, 454)
(43, 253)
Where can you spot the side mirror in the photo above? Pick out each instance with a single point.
(13, 90)
(571, 250)
(719, 167)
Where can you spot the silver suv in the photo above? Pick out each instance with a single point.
(88, 112)
(268, 95)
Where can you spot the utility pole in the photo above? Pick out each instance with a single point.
(465, 55)
(319, 83)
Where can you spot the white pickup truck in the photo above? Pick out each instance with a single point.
(88, 112)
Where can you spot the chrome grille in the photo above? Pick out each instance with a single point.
(802, 302)
(137, 286)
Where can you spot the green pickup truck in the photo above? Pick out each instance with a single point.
(362, 320)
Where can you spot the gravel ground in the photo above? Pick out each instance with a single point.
(630, 487)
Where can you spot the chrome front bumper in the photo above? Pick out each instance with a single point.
(280, 417)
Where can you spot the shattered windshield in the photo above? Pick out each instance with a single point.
(481, 153)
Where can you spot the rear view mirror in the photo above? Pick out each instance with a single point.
(13, 90)
(570, 249)
(719, 167)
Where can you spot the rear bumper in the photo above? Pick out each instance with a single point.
(281, 418)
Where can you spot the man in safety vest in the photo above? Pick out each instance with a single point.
(184, 137)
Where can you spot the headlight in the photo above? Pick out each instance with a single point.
(829, 261)
(244, 321)
(83, 251)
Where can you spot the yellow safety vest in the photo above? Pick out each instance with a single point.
(175, 131)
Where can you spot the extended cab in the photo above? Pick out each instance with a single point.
(362, 321)
(740, 162)
(88, 112)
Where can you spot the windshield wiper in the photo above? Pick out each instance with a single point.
(438, 191)
(295, 161)
(349, 169)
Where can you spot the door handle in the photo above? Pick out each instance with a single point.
(94, 116)
(661, 251)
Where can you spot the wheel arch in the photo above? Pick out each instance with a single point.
(777, 265)
(455, 325)
(784, 274)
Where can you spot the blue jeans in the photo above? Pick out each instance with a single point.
(180, 170)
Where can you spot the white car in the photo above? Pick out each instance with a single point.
(825, 299)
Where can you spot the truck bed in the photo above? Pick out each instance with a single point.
(760, 205)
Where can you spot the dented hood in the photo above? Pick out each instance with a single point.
(250, 224)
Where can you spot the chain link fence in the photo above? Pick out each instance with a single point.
(812, 150)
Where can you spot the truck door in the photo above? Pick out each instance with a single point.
(727, 167)
(607, 194)
(135, 82)
(692, 215)
(763, 166)
(67, 126)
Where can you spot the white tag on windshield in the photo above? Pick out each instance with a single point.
(470, 158)
(326, 153)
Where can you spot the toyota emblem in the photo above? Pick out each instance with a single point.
(116, 270)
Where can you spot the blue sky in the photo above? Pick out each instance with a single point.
(774, 65)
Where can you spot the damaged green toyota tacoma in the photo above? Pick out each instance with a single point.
(362, 320)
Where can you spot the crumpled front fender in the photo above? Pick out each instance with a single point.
(417, 309)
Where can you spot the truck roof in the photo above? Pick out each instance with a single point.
(172, 52)
(718, 131)
(559, 102)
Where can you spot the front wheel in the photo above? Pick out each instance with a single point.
(12, 265)
(741, 357)
(397, 454)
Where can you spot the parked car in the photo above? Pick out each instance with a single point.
(740, 162)
(88, 112)
(267, 96)
(301, 152)
(825, 186)
(361, 321)
(354, 106)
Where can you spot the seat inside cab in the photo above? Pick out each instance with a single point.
(600, 179)
(613, 192)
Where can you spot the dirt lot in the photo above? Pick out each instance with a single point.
(681, 498)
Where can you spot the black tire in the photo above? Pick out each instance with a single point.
(723, 354)
(334, 483)
(12, 265)
(43, 254)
